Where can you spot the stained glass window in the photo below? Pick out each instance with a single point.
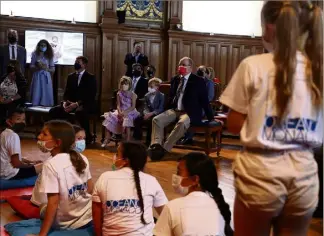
(150, 10)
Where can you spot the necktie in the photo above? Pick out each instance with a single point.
(179, 89)
(79, 79)
(13, 53)
(134, 84)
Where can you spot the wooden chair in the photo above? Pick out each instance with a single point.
(210, 132)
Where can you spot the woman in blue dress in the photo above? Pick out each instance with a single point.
(42, 65)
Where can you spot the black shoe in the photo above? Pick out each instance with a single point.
(156, 152)
(186, 141)
(318, 213)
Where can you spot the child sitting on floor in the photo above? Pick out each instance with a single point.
(66, 180)
(39, 198)
(123, 200)
(12, 165)
(124, 116)
(31, 203)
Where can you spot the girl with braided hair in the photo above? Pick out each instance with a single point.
(202, 210)
(123, 199)
(276, 105)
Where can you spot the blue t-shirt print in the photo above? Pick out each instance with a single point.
(130, 206)
(291, 130)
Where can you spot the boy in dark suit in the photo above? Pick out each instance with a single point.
(154, 105)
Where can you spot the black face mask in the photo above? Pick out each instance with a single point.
(10, 69)
(149, 73)
(18, 127)
(200, 73)
(12, 39)
(137, 73)
(77, 66)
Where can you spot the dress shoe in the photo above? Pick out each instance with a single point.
(156, 152)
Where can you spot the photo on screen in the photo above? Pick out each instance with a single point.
(66, 46)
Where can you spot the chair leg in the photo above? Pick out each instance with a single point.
(103, 133)
(94, 129)
(207, 141)
(219, 142)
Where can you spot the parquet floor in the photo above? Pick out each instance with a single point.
(101, 160)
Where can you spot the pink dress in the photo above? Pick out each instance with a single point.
(113, 123)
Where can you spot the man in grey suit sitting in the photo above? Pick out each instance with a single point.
(12, 51)
(154, 105)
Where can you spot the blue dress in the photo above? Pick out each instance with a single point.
(41, 88)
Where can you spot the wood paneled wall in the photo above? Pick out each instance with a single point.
(222, 52)
(107, 43)
(92, 45)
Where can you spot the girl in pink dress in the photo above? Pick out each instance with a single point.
(122, 118)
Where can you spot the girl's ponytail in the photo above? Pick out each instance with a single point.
(287, 32)
(77, 161)
(314, 51)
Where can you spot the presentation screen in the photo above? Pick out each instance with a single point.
(66, 46)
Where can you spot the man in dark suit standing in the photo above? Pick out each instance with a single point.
(79, 96)
(136, 57)
(139, 82)
(12, 51)
(154, 105)
(188, 97)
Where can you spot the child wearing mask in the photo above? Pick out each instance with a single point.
(80, 139)
(202, 210)
(12, 165)
(38, 198)
(126, 113)
(276, 104)
(32, 202)
(154, 105)
(127, 210)
(66, 180)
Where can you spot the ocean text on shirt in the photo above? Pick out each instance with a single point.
(125, 205)
(292, 129)
(78, 190)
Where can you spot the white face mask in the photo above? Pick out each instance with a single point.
(42, 146)
(152, 90)
(176, 184)
(125, 87)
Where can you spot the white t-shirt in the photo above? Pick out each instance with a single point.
(38, 198)
(116, 191)
(251, 91)
(60, 176)
(195, 214)
(9, 145)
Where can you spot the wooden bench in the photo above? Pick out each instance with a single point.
(40, 115)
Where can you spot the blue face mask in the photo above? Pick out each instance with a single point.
(80, 145)
(43, 49)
